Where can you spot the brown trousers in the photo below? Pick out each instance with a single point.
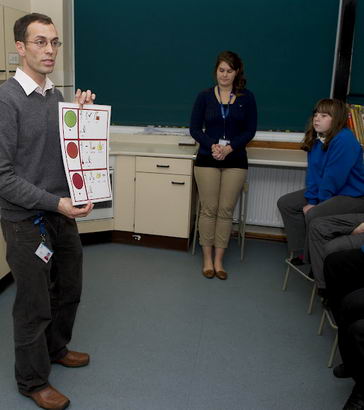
(219, 190)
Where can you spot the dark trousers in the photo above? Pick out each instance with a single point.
(296, 224)
(344, 274)
(47, 294)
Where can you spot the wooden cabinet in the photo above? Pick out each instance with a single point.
(124, 193)
(12, 59)
(163, 192)
(2, 46)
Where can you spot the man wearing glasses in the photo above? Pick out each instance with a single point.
(37, 217)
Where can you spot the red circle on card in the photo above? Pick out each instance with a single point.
(77, 181)
(72, 150)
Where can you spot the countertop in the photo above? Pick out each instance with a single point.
(169, 147)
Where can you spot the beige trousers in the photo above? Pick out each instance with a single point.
(219, 190)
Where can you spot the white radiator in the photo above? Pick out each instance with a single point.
(266, 186)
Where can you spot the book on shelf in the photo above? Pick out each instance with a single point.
(356, 121)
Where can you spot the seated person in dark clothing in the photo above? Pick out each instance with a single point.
(344, 275)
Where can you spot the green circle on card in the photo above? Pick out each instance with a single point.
(70, 119)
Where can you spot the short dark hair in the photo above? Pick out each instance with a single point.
(234, 61)
(21, 25)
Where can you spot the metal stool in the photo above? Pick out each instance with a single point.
(304, 275)
(327, 315)
(243, 206)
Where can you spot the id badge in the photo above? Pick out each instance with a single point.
(223, 142)
(44, 253)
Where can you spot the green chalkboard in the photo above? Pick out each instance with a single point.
(149, 59)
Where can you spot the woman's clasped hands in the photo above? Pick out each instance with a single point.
(219, 152)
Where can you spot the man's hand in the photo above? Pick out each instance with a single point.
(66, 208)
(359, 229)
(84, 97)
(307, 207)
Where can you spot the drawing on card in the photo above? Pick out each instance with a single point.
(84, 137)
(92, 124)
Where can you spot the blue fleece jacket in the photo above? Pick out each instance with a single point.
(207, 124)
(337, 171)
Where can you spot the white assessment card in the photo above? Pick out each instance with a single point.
(84, 135)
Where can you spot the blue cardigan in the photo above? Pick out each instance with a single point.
(337, 171)
(207, 124)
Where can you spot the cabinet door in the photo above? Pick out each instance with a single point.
(4, 267)
(124, 193)
(2, 46)
(163, 204)
(11, 55)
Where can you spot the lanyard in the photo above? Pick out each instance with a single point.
(224, 113)
(38, 220)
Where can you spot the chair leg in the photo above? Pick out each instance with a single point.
(285, 281)
(243, 207)
(322, 322)
(312, 299)
(333, 351)
(196, 227)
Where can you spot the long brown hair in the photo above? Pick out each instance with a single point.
(234, 61)
(339, 114)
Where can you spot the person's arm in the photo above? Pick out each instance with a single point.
(197, 123)
(250, 126)
(311, 192)
(13, 188)
(343, 153)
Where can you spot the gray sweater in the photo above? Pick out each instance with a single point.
(32, 176)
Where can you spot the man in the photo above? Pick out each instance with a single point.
(344, 274)
(37, 216)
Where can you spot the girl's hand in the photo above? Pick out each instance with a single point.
(359, 229)
(307, 207)
(221, 152)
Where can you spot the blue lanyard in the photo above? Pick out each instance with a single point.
(38, 220)
(224, 113)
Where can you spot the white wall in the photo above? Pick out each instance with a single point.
(17, 4)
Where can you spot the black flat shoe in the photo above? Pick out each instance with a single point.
(341, 372)
(355, 400)
(296, 261)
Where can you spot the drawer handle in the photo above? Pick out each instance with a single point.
(162, 166)
(2, 71)
(177, 183)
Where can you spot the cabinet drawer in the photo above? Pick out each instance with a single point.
(164, 165)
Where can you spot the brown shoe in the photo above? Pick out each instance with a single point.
(221, 274)
(74, 359)
(208, 273)
(49, 398)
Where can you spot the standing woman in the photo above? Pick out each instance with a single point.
(223, 121)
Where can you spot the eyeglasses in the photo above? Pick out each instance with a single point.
(44, 43)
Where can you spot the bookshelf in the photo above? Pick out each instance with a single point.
(356, 121)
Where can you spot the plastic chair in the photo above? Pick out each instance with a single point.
(243, 207)
(301, 271)
(326, 315)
